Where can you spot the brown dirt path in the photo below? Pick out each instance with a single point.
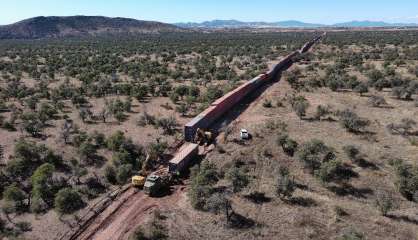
(123, 216)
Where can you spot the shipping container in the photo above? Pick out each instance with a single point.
(182, 158)
(232, 98)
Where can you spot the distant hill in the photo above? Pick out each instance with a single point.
(286, 24)
(53, 27)
(373, 24)
(239, 24)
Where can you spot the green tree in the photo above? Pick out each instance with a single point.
(123, 173)
(67, 201)
(219, 203)
(352, 122)
(313, 153)
(15, 196)
(31, 123)
(203, 180)
(238, 178)
(288, 145)
(110, 174)
(42, 183)
(87, 152)
(361, 89)
(285, 184)
(115, 141)
(182, 109)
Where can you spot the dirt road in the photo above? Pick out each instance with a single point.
(123, 216)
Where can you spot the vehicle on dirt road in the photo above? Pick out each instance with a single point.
(138, 181)
(244, 135)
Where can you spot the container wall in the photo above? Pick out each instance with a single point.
(183, 157)
(228, 101)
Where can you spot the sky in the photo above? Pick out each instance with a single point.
(171, 11)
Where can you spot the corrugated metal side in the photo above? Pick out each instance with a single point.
(186, 150)
(182, 158)
(203, 120)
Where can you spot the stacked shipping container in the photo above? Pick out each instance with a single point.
(228, 101)
(224, 104)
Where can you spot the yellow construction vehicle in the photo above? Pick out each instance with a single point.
(203, 137)
(138, 181)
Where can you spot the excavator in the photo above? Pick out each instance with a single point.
(203, 137)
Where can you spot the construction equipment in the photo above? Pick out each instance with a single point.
(203, 137)
(157, 182)
(138, 181)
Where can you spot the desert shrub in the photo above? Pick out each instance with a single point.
(129, 153)
(322, 111)
(27, 156)
(377, 101)
(123, 173)
(182, 109)
(339, 211)
(120, 116)
(352, 234)
(329, 171)
(352, 122)
(42, 183)
(293, 80)
(335, 81)
(267, 103)
(139, 234)
(300, 105)
(146, 119)
(110, 174)
(238, 178)
(361, 89)
(67, 201)
(406, 179)
(87, 152)
(115, 141)
(285, 184)
(404, 127)
(99, 139)
(203, 180)
(213, 93)
(352, 152)
(381, 83)
(15, 196)
(168, 124)
(84, 114)
(374, 75)
(32, 124)
(24, 226)
(404, 92)
(218, 203)
(385, 202)
(313, 153)
(288, 145)
(276, 125)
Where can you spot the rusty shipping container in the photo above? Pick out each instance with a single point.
(217, 109)
(182, 158)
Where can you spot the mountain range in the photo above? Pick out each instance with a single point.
(53, 27)
(287, 24)
(87, 26)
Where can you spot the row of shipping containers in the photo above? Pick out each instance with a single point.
(204, 120)
(222, 105)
